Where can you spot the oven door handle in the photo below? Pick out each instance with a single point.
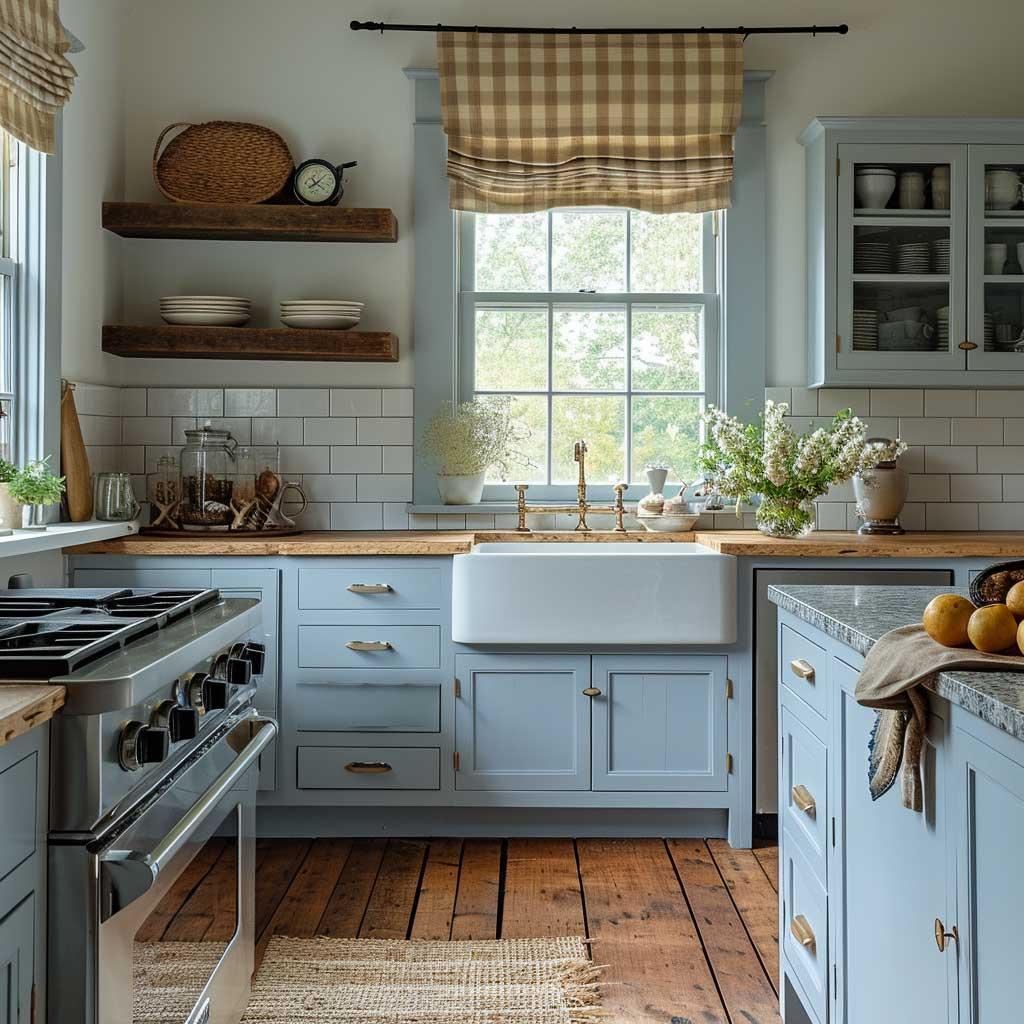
(131, 873)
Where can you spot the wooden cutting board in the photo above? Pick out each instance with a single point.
(74, 463)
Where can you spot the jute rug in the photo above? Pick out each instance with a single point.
(373, 981)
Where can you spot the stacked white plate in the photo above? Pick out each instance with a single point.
(942, 328)
(865, 330)
(872, 258)
(321, 314)
(914, 258)
(205, 310)
(940, 256)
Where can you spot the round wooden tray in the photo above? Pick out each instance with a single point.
(276, 531)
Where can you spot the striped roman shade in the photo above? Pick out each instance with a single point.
(540, 121)
(35, 76)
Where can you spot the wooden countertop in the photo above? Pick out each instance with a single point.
(23, 706)
(441, 542)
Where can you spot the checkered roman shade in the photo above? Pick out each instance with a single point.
(35, 76)
(539, 121)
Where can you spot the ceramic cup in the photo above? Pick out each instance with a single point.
(874, 186)
(940, 187)
(907, 313)
(995, 257)
(912, 190)
(1002, 188)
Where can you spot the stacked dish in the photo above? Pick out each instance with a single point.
(321, 314)
(940, 256)
(205, 310)
(872, 258)
(942, 327)
(865, 330)
(914, 258)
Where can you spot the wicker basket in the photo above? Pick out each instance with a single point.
(221, 162)
(992, 584)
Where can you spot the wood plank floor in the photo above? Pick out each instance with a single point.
(687, 929)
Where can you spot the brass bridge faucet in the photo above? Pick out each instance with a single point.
(582, 506)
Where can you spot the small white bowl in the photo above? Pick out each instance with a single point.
(668, 524)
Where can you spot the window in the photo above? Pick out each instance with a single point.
(8, 156)
(599, 324)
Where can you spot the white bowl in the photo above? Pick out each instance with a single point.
(321, 321)
(206, 319)
(668, 524)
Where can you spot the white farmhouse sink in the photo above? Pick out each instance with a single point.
(594, 593)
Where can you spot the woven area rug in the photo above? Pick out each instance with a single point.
(373, 981)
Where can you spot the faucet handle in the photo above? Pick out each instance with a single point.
(620, 507)
(579, 449)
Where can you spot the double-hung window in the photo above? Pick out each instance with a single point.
(600, 324)
(9, 150)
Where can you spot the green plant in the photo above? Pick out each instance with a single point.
(473, 437)
(8, 471)
(34, 484)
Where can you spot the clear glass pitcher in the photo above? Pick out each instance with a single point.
(114, 498)
(207, 477)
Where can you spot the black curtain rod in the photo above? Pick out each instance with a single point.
(740, 30)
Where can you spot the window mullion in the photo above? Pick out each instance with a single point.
(551, 377)
(628, 431)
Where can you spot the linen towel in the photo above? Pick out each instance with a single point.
(890, 681)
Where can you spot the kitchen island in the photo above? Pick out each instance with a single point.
(887, 914)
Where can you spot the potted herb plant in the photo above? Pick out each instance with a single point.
(10, 509)
(35, 486)
(746, 461)
(465, 441)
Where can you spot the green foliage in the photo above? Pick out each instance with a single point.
(7, 471)
(472, 437)
(36, 485)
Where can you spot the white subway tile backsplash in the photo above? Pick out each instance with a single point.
(396, 402)
(951, 459)
(1000, 403)
(397, 459)
(97, 400)
(1004, 459)
(952, 516)
(928, 487)
(833, 400)
(133, 402)
(913, 516)
(250, 402)
(479, 521)
(1013, 488)
(831, 515)
(179, 424)
(451, 522)
(804, 402)
(916, 430)
(897, 402)
(778, 395)
(883, 426)
(355, 402)
(149, 430)
(975, 487)
(356, 458)
(385, 430)
(395, 516)
(185, 402)
(912, 460)
(303, 402)
(104, 458)
(422, 521)
(240, 427)
(950, 403)
(329, 486)
(277, 430)
(1005, 516)
(979, 430)
(133, 459)
(1013, 431)
(305, 459)
(384, 487)
(329, 430)
(357, 516)
(100, 429)
(316, 517)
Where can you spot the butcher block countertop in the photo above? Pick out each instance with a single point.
(442, 542)
(23, 706)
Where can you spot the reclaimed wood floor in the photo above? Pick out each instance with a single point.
(688, 928)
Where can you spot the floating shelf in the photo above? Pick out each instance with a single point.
(165, 341)
(263, 223)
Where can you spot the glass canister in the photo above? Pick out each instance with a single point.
(207, 471)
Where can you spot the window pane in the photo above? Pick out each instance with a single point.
(511, 349)
(667, 430)
(666, 252)
(511, 252)
(600, 420)
(588, 250)
(667, 350)
(589, 350)
(529, 466)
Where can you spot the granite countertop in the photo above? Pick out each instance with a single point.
(858, 616)
(23, 706)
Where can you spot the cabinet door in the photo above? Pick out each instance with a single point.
(659, 722)
(17, 939)
(890, 885)
(989, 795)
(898, 266)
(995, 257)
(522, 722)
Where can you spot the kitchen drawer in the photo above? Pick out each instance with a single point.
(333, 705)
(382, 768)
(408, 647)
(803, 793)
(371, 587)
(804, 925)
(803, 669)
(17, 813)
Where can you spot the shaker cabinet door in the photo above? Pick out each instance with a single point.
(17, 943)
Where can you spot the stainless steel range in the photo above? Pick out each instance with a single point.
(154, 755)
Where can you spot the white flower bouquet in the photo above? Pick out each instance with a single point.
(788, 471)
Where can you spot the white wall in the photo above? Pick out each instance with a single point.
(333, 92)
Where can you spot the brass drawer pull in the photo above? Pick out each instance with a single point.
(803, 799)
(802, 932)
(591, 691)
(368, 645)
(802, 669)
(942, 937)
(368, 767)
(369, 588)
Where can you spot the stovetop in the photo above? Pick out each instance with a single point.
(163, 605)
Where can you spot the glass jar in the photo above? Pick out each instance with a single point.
(207, 469)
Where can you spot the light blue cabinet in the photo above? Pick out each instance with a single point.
(659, 722)
(522, 722)
(17, 947)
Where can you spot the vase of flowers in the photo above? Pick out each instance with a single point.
(465, 441)
(782, 472)
(37, 488)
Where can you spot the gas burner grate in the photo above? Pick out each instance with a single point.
(163, 605)
(43, 649)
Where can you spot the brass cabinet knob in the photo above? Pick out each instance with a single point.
(368, 767)
(802, 669)
(942, 937)
(802, 932)
(369, 588)
(967, 346)
(591, 691)
(803, 799)
(368, 645)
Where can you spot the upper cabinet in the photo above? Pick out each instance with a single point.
(915, 242)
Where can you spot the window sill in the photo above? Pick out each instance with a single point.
(63, 535)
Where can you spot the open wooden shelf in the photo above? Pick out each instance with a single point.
(263, 223)
(166, 341)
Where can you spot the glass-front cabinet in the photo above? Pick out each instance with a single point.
(915, 251)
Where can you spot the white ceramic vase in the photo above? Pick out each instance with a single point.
(10, 510)
(460, 489)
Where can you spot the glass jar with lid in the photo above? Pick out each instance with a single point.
(207, 472)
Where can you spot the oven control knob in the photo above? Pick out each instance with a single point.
(253, 653)
(181, 722)
(231, 669)
(142, 744)
(204, 693)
